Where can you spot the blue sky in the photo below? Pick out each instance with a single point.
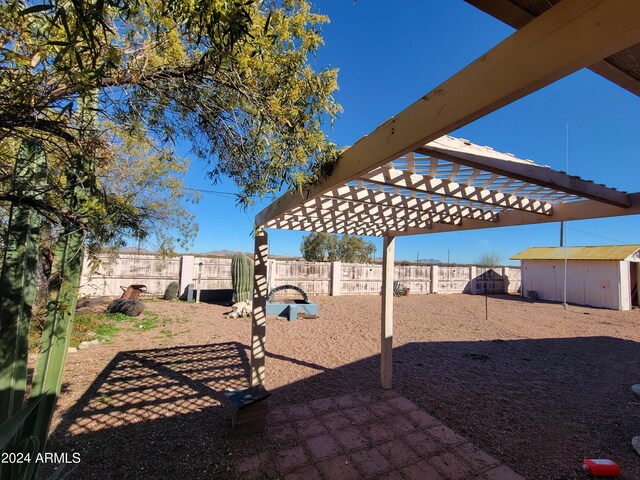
(389, 55)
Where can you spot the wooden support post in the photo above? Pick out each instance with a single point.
(259, 318)
(272, 266)
(386, 358)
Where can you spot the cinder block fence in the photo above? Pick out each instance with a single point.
(105, 276)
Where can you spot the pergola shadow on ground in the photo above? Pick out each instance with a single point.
(162, 413)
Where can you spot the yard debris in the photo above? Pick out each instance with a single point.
(239, 310)
(133, 292)
(132, 308)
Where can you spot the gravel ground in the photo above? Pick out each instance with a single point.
(536, 386)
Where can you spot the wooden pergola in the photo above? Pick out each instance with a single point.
(409, 177)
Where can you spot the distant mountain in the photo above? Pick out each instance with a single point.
(429, 261)
(222, 253)
(229, 254)
(426, 261)
(127, 250)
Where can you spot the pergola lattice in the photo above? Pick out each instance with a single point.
(446, 181)
(408, 177)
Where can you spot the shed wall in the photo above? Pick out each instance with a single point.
(602, 284)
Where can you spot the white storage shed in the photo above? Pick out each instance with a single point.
(603, 276)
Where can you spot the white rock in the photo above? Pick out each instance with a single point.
(94, 342)
(635, 443)
(240, 309)
(84, 346)
(72, 350)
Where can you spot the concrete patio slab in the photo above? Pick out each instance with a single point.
(366, 437)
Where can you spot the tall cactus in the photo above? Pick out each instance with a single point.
(241, 277)
(18, 278)
(64, 283)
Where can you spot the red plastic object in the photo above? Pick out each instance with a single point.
(601, 467)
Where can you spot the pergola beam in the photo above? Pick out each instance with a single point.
(580, 210)
(517, 17)
(437, 186)
(530, 173)
(571, 35)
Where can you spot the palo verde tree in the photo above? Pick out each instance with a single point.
(319, 247)
(106, 92)
(230, 79)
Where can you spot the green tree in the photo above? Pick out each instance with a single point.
(352, 248)
(320, 247)
(231, 79)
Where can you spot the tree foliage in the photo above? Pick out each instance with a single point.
(229, 81)
(321, 247)
(489, 260)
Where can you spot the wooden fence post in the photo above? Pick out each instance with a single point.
(186, 272)
(435, 278)
(472, 275)
(336, 279)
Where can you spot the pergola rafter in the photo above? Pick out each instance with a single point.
(375, 215)
(407, 177)
(348, 198)
(445, 188)
(450, 149)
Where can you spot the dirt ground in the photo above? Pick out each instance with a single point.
(536, 386)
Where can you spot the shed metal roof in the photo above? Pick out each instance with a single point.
(606, 252)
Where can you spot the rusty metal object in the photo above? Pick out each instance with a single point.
(133, 292)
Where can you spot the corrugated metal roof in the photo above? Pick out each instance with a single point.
(605, 252)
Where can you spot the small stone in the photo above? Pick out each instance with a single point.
(636, 389)
(635, 443)
(94, 342)
(84, 346)
(72, 350)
